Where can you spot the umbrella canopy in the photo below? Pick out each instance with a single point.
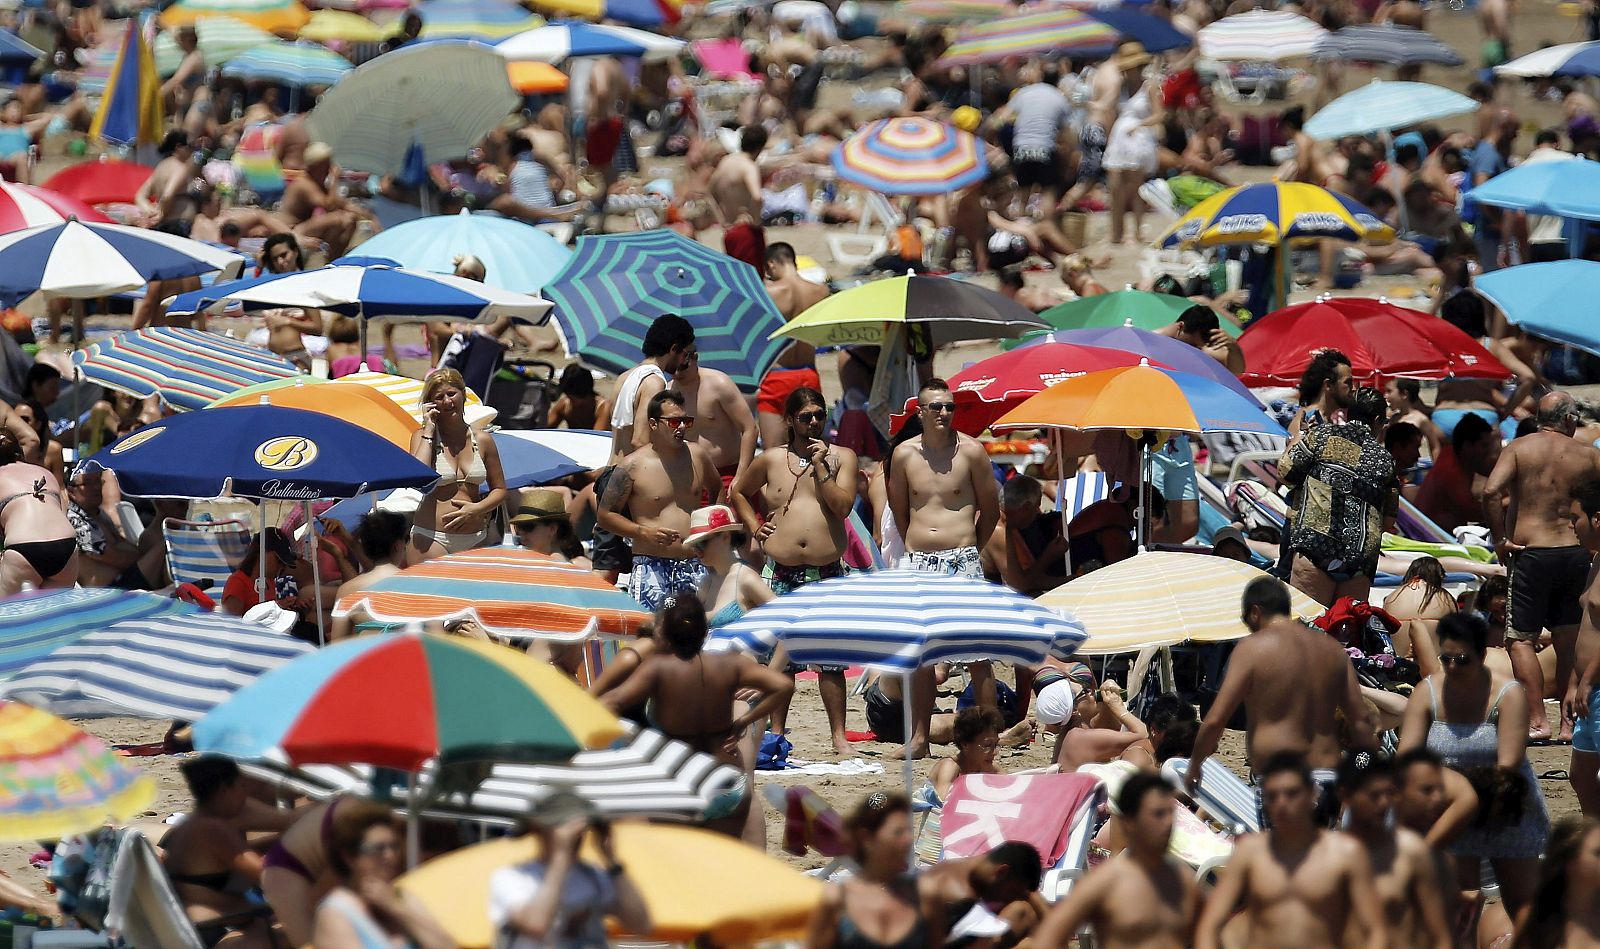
(1380, 106)
(1059, 32)
(616, 285)
(188, 368)
(900, 620)
(104, 181)
(508, 591)
(1563, 59)
(274, 16)
(1566, 188)
(1173, 353)
(360, 405)
(259, 451)
(538, 456)
(516, 256)
(647, 13)
(1273, 212)
(24, 206)
(911, 155)
(56, 780)
(735, 894)
(1145, 398)
(948, 309)
(1553, 300)
(1163, 598)
(16, 51)
(483, 20)
(1387, 44)
(391, 293)
(1383, 341)
(176, 666)
(342, 26)
(1138, 308)
(954, 10)
(33, 625)
(558, 41)
(441, 97)
(464, 700)
(535, 79)
(407, 393)
(83, 261)
(220, 38)
(294, 64)
(645, 774)
(1260, 36)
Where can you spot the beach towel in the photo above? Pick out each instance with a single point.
(986, 810)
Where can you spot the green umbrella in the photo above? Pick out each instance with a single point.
(1136, 308)
(221, 38)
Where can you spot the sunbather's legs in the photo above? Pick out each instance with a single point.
(293, 900)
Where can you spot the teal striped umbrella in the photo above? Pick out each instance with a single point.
(221, 38)
(295, 64)
(615, 286)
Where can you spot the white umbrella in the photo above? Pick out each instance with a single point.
(1267, 36)
(558, 41)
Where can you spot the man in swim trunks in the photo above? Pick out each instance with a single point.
(648, 498)
(1528, 504)
(797, 365)
(1581, 704)
(723, 423)
(736, 195)
(315, 210)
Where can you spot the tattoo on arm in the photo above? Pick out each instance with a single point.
(617, 488)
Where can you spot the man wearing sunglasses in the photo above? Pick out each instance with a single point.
(723, 423)
(648, 498)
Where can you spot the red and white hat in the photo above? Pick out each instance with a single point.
(716, 519)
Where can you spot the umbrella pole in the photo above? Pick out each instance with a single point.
(77, 394)
(1143, 520)
(908, 766)
(1061, 501)
(413, 831)
(362, 367)
(261, 563)
(316, 572)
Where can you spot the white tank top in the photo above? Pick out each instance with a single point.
(628, 393)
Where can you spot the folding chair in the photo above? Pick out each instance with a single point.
(1222, 794)
(200, 551)
(145, 913)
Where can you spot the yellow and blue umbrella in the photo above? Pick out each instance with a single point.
(56, 780)
(1275, 212)
(484, 20)
(911, 156)
(1059, 32)
(130, 107)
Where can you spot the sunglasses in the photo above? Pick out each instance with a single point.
(378, 850)
(937, 407)
(678, 421)
(809, 417)
(1457, 660)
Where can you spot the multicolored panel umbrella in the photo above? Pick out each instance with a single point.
(947, 310)
(536, 79)
(1273, 212)
(295, 64)
(106, 181)
(407, 393)
(508, 591)
(1381, 105)
(911, 156)
(188, 368)
(1387, 44)
(1563, 59)
(1159, 349)
(1062, 32)
(1145, 398)
(1383, 341)
(56, 780)
(1266, 36)
(396, 701)
(486, 21)
(24, 206)
(220, 39)
(274, 16)
(360, 405)
(33, 625)
(616, 285)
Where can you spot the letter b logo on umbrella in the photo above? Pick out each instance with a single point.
(286, 453)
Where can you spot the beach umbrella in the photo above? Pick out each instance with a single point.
(80, 261)
(103, 181)
(645, 774)
(357, 404)
(1564, 59)
(483, 20)
(56, 780)
(341, 26)
(1387, 44)
(643, 13)
(538, 456)
(947, 310)
(1260, 36)
(451, 698)
(15, 51)
(1272, 212)
(378, 291)
(173, 666)
(561, 40)
(510, 592)
(1553, 300)
(911, 156)
(616, 285)
(407, 393)
(188, 368)
(1380, 106)
(258, 451)
(697, 884)
(1059, 32)
(1129, 307)
(437, 99)
(1382, 339)
(220, 38)
(1142, 398)
(292, 64)
(273, 16)
(535, 79)
(1163, 598)
(516, 256)
(24, 206)
(130, 110)
(33, 625)
(1173, 353)
(947, 11)
(1565, 188)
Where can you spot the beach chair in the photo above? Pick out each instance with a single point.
(200, 551)
(145, 913)
(847, 248)
(1057, 813)
(1222, 795)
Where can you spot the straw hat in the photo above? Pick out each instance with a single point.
(537, 506)
(1131, 55)
(706, 521)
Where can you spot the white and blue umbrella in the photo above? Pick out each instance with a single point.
(1380, 106)
(1387, 44)
(83, 261)
(188, 368)
(1569, 188)
(563, 39)
(163, 666)
(33, 625)
(1554, 300)
(293, 64)
(1563, 59)
(516, 256)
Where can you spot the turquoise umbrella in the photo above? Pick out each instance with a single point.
(1380, 106)
(295, 64)
(516, 256)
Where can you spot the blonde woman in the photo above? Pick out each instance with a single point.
(454, 517)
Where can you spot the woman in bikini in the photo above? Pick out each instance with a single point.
(880, 906)
(210, 862)
(454, 517)
(41, 547)
(295, 872)
(1419, 603)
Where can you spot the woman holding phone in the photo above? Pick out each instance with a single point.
(454, 517)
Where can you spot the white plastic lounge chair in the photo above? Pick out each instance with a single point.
(1074, 863)
(1222, 794)
(204, 550)
(877, 214)
(145, 913)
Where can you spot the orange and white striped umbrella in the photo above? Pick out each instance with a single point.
(911, 156)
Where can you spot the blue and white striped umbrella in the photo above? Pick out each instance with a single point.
(188, 368)
(1564, 59)
(1387, 44)
(901, 620)
(177, 667)
(85, 261)
(295, 64)
(33, 625)
(561, 40)
(1380, 106)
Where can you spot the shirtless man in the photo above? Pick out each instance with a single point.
(648, 498)
(723, 423)
(291, 147)
(1295, 713)
(797, 365)
(1528, 504)
(1141, 898)
(1302, 885)
(943, 498)
(736, 195)
(1581, 704)
(1105, 95)
(170, 179)
(1401, 861)
(806, 487)
(316, 211)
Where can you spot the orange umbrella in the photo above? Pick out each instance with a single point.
(533, 79)
(357, 404)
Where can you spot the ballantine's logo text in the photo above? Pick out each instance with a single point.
(288, 490)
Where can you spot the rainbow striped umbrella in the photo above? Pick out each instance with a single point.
(408, 394)
(56, 780)
(188, 368)
(1272, 212)
(911, 155)
(295, 64)
(1059, 32)
(508, 591)
(487, 21)
(274, 16)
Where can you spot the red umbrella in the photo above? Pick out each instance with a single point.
(24, 206)
(100, 182)
(1382, 340)
(988, 389)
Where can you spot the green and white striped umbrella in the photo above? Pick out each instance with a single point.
(295, 64)
(221, 39)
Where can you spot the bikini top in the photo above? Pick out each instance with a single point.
(449, 474)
